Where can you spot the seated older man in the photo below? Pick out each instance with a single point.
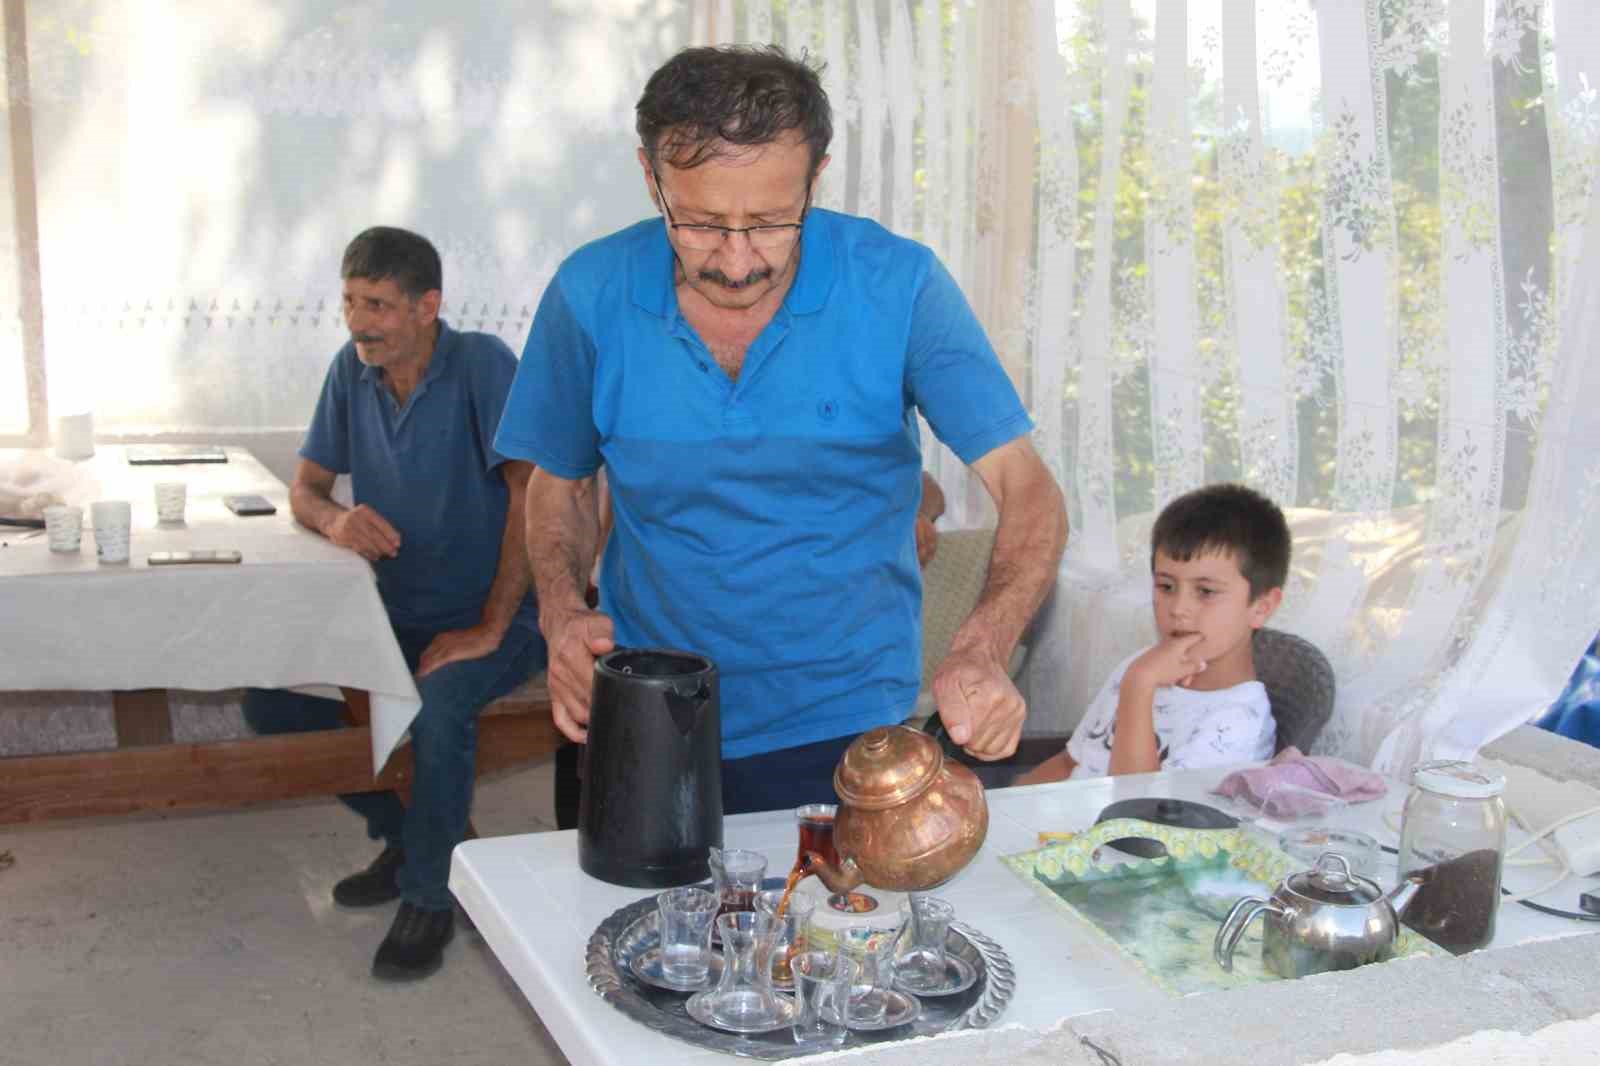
(408, 410)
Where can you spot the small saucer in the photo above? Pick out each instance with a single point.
(699, 1008)
(899, 1009)
(959, 975)
(646, 966)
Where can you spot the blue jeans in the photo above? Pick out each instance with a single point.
(444, 743)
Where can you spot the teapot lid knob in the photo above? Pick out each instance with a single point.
(886, 767)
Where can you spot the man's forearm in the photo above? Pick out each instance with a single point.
(511, 575)
(1028, 543)
(313, 509)
(563, 532)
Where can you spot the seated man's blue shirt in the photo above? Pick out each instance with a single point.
(766, 522)
(430, 469)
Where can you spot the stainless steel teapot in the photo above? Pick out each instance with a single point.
(1318, 920)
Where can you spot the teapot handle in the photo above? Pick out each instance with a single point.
(1233, 926)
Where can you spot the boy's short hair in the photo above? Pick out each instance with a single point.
(1227, 518)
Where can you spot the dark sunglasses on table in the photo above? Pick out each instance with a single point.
(706, 238)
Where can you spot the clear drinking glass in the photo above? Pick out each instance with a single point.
(793, 927)
(738, 875)
(921, 968)
(871, 947)
(685, 916)
(821, 996)
(743, 1000)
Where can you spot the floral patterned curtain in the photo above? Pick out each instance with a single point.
(1342, 251)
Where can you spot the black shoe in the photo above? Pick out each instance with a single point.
(378, 883)
(414, 947)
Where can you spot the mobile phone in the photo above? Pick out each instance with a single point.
(181, 558)
(249, 505)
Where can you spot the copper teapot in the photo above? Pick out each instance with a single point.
(908, 819)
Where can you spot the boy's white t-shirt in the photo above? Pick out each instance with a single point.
(1193, 729)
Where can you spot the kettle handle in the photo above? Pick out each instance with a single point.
(1233, 926)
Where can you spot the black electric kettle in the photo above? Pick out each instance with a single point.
(651, 806)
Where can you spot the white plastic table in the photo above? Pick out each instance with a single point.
(536, 910)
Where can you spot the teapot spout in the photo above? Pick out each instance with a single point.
(1401, 895)
(842, 878)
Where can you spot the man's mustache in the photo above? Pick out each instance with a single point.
(717, 277)
(366, 338)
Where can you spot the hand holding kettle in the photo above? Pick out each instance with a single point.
(576, 637)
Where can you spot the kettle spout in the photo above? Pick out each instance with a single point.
(839, 879)
(1401, 895)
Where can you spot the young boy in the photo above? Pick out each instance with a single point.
(1219, 557)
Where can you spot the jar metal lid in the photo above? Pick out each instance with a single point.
(1450, 777)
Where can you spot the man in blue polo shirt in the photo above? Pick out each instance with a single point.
(408, 410)
(748, 370)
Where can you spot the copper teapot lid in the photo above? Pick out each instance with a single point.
(886, 767)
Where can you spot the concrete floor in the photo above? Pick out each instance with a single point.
(201, 939)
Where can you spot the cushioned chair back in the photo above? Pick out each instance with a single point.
(1299, 682)
(951, 585)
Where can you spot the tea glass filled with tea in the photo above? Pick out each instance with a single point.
(816, 832)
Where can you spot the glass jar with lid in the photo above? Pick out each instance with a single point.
(1453, 840)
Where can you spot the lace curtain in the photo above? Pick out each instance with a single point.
(198, 169)
(1345, 252)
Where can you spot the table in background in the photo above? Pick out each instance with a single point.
(298, 610)
(537, 909)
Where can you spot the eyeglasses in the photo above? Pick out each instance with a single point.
(706, 238)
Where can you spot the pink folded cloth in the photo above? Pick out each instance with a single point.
(1293, 784)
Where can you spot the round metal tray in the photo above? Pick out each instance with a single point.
(633, 929)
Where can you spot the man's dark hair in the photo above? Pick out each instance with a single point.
(388, 252)
(705, 98)
(1227, 518)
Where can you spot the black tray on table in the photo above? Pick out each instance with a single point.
(632, 930)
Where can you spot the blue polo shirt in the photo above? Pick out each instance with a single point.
(430, 468)
(767, 522)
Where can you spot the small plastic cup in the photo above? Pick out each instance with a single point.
(170, 499)
(63, 527)
(822, 982)
(685, 916)
(113, 526)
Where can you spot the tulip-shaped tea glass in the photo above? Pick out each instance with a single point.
(793, 926)
(738, 875)
(871, 947)
(821, 991)
(743, 1001)
(684, 916)
(924, 969)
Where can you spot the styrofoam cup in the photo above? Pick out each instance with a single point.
(113, 523)
(63, 527)
(170, 498)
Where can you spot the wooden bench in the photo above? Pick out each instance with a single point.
(148, 772)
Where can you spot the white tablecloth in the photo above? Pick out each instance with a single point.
(297, 611)
(536, 909)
